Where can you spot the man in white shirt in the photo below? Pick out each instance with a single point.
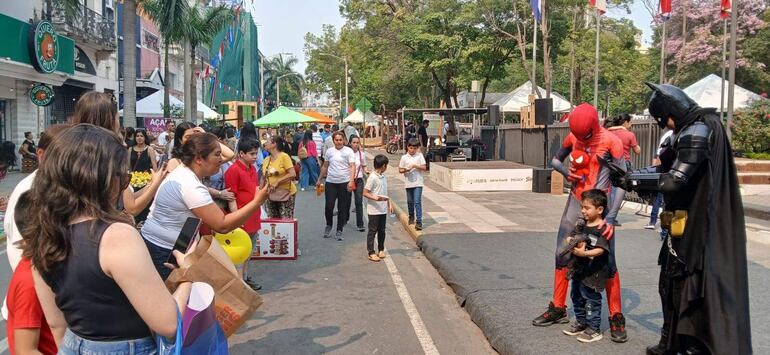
(163, 137)
(350, 131)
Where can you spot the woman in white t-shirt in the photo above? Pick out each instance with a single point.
(339, 171)
(182, 195)
(361, 171)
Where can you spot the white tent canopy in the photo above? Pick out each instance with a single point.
(152, 106)
(514, 100)
(707, 92)
(358, 117)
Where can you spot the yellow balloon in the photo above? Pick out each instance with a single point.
(237, 245)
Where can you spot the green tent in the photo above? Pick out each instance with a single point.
(282, 115)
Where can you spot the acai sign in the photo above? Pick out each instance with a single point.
(41, 95)
(44, 47)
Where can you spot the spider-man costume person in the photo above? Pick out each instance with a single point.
(588, 139)
(703, 282)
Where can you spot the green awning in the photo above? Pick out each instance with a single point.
(282, 115)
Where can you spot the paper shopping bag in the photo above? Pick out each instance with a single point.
(234, 301)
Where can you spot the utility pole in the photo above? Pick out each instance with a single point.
(722, 64)
(596, 63)
(731, 84)
(663, 55)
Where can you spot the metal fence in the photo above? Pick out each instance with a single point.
(525, 145)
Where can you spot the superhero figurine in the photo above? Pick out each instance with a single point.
(580, 165)
(703, 280)
(587, 137)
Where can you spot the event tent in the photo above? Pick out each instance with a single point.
(319, 117)
(282, 115)
(358, 117)
(514, 100)
(152, 106)
(707, 92)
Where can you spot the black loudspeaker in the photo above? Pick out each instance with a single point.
(494, 115)
(543, 111)
(541, 180)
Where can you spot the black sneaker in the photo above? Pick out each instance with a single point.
(411, 220)
(339, 236)
(253, 284)
(657, 349)
(589, 336)
(418, 226)
(575, 328)
(552, 315)
(618, 328)
(361, 229)
(328, 232)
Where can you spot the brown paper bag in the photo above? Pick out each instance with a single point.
(234, 301)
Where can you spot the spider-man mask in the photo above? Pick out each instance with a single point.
(584, 122)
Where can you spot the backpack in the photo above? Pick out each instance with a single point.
(302, 152)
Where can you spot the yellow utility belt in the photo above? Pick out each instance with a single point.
(674, 222)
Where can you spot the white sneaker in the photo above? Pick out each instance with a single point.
(649, 226)
(302, 189)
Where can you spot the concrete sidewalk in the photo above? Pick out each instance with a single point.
(495, 249)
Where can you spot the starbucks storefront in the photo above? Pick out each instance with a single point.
(35, 63)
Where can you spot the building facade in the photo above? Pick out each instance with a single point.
(49, 58)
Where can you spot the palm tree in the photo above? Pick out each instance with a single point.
(280, 67)
(199, 28)
(168, 15)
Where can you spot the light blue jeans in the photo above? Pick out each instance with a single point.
(72, 344)
(309, 173)
(414, 203)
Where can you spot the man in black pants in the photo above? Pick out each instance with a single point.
(703, 282)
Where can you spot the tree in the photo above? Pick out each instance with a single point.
(200, 27)
(129, 63)
(292, 82)
(168, 15)
(701, 53)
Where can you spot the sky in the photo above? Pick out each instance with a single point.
(284, 23)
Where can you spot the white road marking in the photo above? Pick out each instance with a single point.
(3, 345)
(428, 346)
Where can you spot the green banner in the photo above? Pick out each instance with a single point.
(14, 44)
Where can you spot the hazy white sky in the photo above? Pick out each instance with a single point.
(284, 23)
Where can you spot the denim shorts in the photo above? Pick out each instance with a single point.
(72, 344)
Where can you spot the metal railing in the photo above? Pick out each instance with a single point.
(85, 25)
(525, 146)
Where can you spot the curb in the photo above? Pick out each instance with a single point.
(404, 218)
(756, 211)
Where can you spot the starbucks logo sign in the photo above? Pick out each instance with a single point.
(41, 95)
(44, 47)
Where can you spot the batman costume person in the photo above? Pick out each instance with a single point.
(585, 145)
(703, 282)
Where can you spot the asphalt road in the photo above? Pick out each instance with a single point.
(332, 299)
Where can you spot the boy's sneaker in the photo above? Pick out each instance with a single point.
(589, 336)
(253, 284)
(328, 232)
(618, 328)
(411, 220)
(649, 226)
(418, 226)
(361, 229)
(552, 315)
(339, 236)
(575, 328)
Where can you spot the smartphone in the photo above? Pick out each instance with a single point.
(185, 238)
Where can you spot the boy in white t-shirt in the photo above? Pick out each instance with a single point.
(412, 165)
(376, 190)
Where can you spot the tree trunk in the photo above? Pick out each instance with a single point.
(572, 54)
(129, 63)
(193, 85)
(523, 58)
(545, 30)
(578, 83)
(188, 116)
(484, 91)
(166, 85)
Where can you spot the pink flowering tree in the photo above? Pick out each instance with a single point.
(699, 52)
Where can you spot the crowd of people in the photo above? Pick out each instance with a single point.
(88, 245)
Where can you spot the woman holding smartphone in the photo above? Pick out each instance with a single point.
(183, 194)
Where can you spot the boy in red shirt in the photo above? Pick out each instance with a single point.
(241, 179)
(26, 328)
